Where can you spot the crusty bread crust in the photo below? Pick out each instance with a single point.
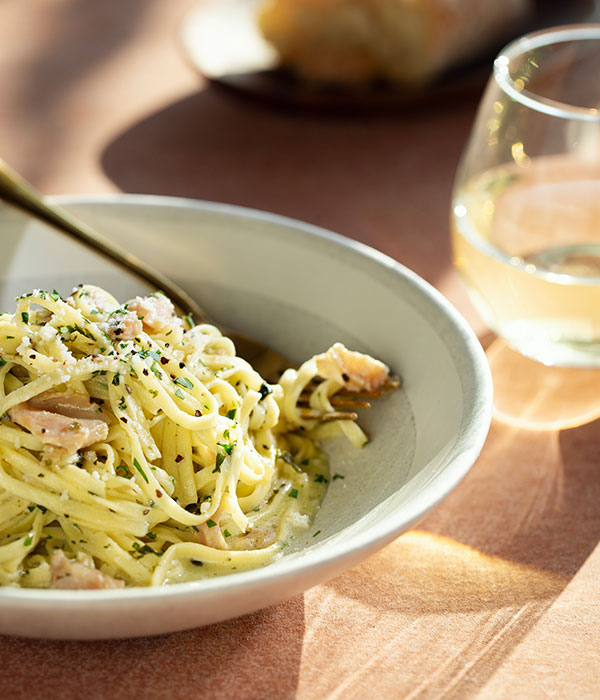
(405, 41)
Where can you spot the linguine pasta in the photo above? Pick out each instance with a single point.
(137, 449)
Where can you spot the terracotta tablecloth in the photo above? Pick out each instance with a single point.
(495, 595)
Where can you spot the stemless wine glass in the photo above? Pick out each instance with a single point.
(526, 203)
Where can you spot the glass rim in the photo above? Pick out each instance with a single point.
(535, 40)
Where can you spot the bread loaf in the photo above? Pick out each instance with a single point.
(404, 41)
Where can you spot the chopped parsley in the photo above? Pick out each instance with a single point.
(25, 317)
(139, 550)
(150, 353)
(219, 462)
(69, 330)
(211, 523)
(124, 469)
(179, 394)
(338, 476)
(183, 381)
(293, 493)
(227, 446)
(230, 414)
(136, 464)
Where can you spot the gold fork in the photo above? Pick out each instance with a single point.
(15, 190)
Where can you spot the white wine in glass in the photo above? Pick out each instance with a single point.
(526, 204)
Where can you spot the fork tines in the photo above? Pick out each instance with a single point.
(343, 399)
(390, 384)
(326, 416)
(337, 400)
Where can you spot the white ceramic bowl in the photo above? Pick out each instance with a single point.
(299, 288)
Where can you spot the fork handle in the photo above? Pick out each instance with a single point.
(15, 190)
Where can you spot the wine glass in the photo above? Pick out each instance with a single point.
(526, 202)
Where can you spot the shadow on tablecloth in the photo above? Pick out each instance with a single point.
(250, 658)
(373, 179)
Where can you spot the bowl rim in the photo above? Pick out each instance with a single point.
(469, 441)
